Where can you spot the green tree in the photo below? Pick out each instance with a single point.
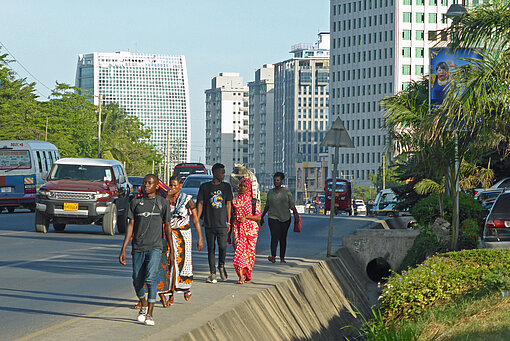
(125, 139)
(17, 104)
(70, 121)
(479, 97)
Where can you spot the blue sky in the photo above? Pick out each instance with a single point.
(215, 36)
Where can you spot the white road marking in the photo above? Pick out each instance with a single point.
(55, 257)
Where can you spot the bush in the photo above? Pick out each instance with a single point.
(425, 245)
(469, 231)
(426, 210)
(442, 278)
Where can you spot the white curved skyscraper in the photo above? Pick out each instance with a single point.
(152, 87)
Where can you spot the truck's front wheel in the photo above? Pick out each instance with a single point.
(110, 221)
(41, 222)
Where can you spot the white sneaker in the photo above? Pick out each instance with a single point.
(212, 279)
(142, 314)
(148, 320)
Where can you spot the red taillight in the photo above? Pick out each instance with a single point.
(30, 189)
(497, 223)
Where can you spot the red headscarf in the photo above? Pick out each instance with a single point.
(243, 201)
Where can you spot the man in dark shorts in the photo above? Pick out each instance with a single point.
(215, 202)
(149, 216)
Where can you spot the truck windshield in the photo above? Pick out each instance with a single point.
(80, 172)
(388, 198)
(340, 187)
(14, 159)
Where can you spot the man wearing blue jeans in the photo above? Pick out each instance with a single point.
(148, 216)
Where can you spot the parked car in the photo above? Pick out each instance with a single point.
(136, 181)
(501, 184)
(497, 223)
(487, 199)
(360, 208)
(193, 182)
(84, 191)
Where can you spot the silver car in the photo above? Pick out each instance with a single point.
(193, 182)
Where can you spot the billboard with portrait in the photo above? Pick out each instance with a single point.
(442, 63)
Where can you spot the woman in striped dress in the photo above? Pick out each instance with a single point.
(180, 276)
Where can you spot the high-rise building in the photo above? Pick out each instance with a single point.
(154, 88)
(377, 48)
(261, 130)
(226, 121)
(301, 108)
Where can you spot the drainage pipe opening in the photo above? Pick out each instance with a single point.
(378, 269)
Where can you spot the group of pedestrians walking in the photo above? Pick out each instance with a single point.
(162, 241)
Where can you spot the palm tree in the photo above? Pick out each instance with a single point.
(479, 96)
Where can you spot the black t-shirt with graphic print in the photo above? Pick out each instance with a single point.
(149, 216)
(215, 199)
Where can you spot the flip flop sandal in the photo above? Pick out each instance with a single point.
(163, 299)
(271, 259)
(240, 282)
(137, 306)
(187, 296)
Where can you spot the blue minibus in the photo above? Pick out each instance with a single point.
(24, 166)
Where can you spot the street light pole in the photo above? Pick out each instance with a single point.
(336, 137)
(332, 209)
(455, 12)
(99, 128)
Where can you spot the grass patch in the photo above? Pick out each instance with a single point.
(471, 318)
(450, 296)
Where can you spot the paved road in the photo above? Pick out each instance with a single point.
(50, 280)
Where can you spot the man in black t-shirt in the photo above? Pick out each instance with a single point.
(149, 216)
(215, 201)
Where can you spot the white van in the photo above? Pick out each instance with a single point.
(24, 166)
(385, 203)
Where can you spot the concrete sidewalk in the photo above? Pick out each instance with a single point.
(300, 299)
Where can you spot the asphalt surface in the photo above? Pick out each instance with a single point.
(49, 282)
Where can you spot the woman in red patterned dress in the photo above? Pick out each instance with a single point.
(246, 230)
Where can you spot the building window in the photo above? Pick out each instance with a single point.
(406, 52)
(406, 2)
(420, 2)
(419, 52)
(418, 70)
(432, 35)
(407, 17)
(420, 17)
(406, 34)
(405, 86)
(432, 18)
(419, 35)
(406, 70)
(444, 2)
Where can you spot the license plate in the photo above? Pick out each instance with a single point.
(6, 189)
(70, 206)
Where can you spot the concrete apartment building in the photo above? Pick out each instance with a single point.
(154, 88)
(261, 125)
(377, 48)
(226, 126)
(301, 109)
